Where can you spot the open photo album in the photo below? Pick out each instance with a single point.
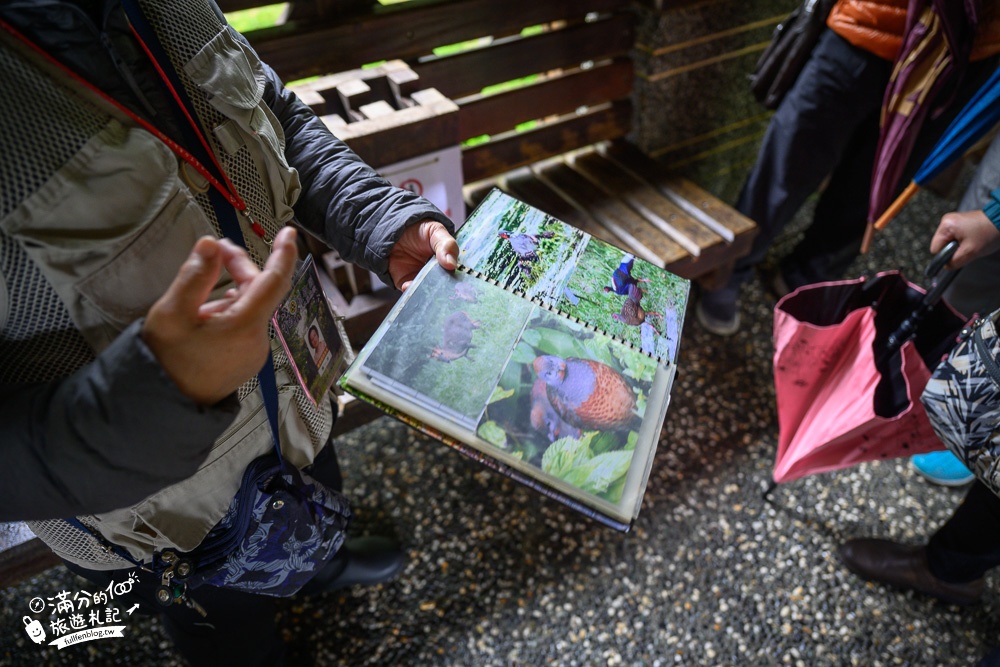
(548, 356)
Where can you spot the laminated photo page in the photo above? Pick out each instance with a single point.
(548, 356)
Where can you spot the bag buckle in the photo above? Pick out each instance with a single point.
(171, 592)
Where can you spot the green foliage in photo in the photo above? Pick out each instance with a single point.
(597, 461)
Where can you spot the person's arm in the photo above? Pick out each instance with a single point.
(977, 232)
(366, 219)
(146, 412)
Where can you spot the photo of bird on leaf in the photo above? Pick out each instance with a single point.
(571, 402)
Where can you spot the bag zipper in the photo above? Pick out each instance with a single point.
(225, 543)
(986, 356)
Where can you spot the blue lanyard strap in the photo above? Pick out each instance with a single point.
(223, 203)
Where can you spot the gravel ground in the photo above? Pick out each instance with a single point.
(711, 574)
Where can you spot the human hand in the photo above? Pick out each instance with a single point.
(210, 348)
(976, 235)
(418, 244)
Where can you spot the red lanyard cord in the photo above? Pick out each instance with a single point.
(228, 190)
(235, 198)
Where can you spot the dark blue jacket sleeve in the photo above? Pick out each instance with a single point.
(343, 200)
(91, 443)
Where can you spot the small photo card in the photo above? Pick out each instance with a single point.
(312, 333)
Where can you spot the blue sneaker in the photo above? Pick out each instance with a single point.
(942, 468)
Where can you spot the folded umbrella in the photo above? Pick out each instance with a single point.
(976, 118)
(933, 55)
(851, 359)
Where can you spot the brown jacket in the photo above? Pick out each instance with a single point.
(878, 26)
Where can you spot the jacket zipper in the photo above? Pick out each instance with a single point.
(113, 54)
(125, 73)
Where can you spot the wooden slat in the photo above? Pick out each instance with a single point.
(468, 73)
(305, 7)
(721, 218)
(711, 268)
(353, 413)
(403, 135)
(522, 148)
(528, 188)
(561, 95)
(318, 9)
(692, 235)
(408, 30)
(714, 261)
(24, 561)
(642, 239)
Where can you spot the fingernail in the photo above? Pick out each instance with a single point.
(203, 249)
(451, 258)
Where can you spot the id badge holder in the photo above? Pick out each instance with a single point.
(312, 333)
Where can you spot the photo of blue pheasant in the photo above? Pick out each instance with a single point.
(622, 277)
(588, 394)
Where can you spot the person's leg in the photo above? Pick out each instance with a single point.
(839, 87)
(365, 560)
(832, 241)
(238, 629)
(950, 566)
(968, 544)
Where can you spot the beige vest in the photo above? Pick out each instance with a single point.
(107, 214)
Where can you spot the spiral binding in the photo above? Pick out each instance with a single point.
(538, 301)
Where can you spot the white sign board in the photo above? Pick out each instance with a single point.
(436, 176)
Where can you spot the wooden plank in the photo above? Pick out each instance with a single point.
(468, 73)
(515, 150)
(402, 135)
(691, 234)
(494, 114)
(314, 101)
(717, 210)
(25, 560)
(407, 30)
(339, 6)
(366, 312)
(642, 239)
(526, 186)
(318, 9)
(353, 413)
(397, 70)
(377, 109)
(720, 217)
(713, 260)
(475, 194)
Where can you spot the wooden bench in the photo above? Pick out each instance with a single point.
(572, 63)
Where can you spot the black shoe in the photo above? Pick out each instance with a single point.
(905, 567)
(361, 561)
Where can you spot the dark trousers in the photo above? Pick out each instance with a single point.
(239, 628)
(828, 126)
(968, 544)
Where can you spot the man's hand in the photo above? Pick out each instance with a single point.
(976, 235)
(418, 244)
(210, 348)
